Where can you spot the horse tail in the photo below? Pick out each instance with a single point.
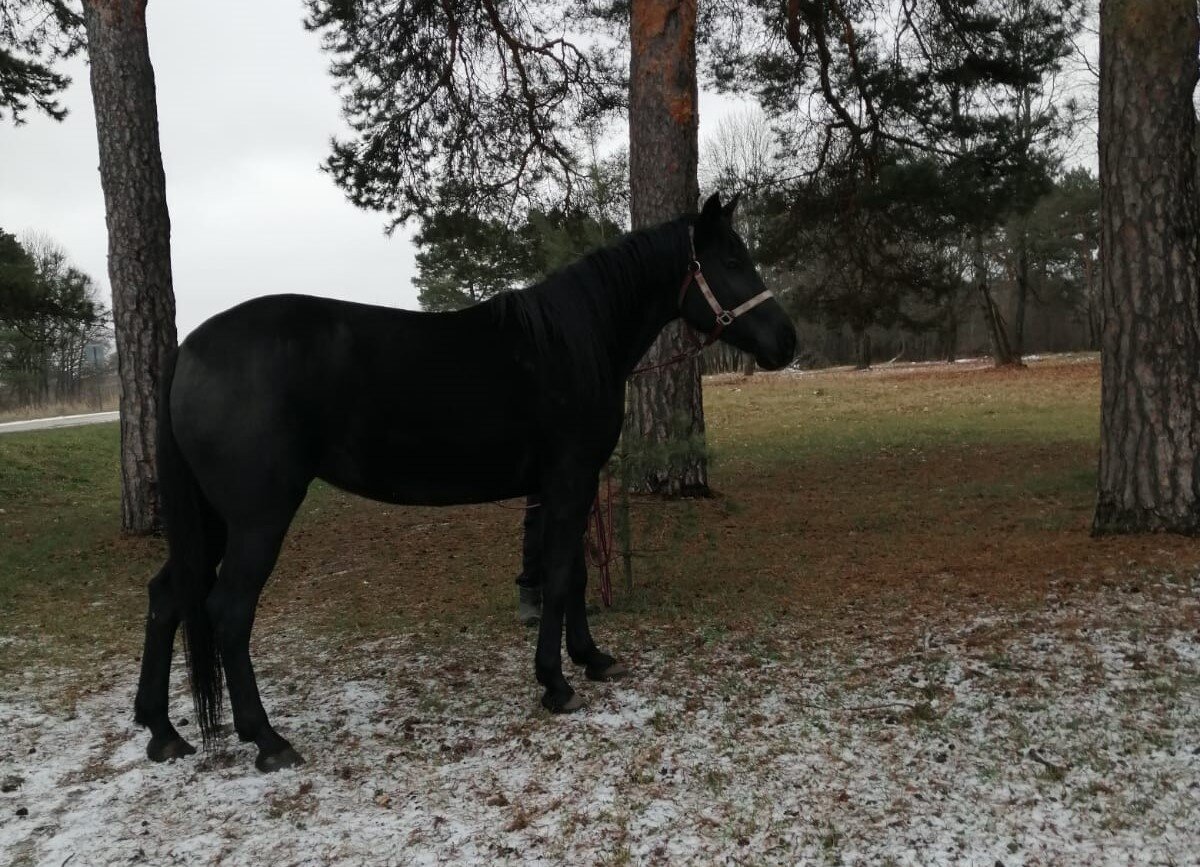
(188, 518)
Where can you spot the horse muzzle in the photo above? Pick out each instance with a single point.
(781, 353)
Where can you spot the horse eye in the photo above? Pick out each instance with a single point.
(732, 263)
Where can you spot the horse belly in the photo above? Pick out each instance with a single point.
(434, 476)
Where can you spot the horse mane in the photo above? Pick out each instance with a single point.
(570, 322)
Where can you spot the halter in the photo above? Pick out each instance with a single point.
(723, 318)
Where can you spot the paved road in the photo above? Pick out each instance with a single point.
(58, 421)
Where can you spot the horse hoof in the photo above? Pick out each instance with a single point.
(555, 703)
(612, 671)
(285, 758)
(168, 749)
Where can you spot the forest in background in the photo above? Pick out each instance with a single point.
(55, 329)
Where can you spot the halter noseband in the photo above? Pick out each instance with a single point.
(723, 318)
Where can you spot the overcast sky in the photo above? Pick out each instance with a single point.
(246, 109)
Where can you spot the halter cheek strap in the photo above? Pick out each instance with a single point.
(723, 318)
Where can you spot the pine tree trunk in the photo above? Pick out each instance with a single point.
(862, 349)
(1149, 275)
(949, 332)
(1094, 311)
(1002, 353)
(666, 417)
(1018, 341)
(139, 238)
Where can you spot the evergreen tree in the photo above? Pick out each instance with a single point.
(1057, 242)
(960, 84)
(49, 313)
(462, 105)
(34, 35)
(464, 259)
(866, 250)
(18, 280)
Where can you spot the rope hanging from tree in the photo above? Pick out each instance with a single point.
(598, 544)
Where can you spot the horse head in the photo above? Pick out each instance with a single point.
(725, 296)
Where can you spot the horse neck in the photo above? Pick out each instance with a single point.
(654, 301)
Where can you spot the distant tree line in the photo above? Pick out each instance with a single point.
(54, 327)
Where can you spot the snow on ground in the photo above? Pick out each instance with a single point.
(1069, 734)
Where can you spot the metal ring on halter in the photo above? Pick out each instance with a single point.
(725, 317)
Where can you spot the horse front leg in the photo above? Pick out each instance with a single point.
(566, 497)
(581, 647)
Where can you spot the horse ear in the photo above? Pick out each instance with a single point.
(711, 209)
(732, 206)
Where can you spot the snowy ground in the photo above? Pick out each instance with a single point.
(1070, 734)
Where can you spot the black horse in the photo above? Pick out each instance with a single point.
(521, 394)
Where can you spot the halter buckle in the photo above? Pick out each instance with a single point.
(725, 317)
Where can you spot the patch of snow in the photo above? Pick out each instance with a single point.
(1065, 736)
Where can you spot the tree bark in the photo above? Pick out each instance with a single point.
(139, 238)
(1149, 274)
(666, 417)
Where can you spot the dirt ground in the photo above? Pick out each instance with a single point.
(889, 639)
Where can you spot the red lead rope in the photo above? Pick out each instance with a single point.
(599, 544)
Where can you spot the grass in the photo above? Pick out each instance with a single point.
(67, 580)
(839, 495)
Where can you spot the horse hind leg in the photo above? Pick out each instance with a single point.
(162, 622)
(150, 706)
(249, 559)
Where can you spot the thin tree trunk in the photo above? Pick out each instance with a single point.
(1002, 353)
(1022, 281)
(139, 238)
(862, 349)
(666, 418)
(1025, 125)
(1091, 294)
(1150, 268)
(949, 333)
